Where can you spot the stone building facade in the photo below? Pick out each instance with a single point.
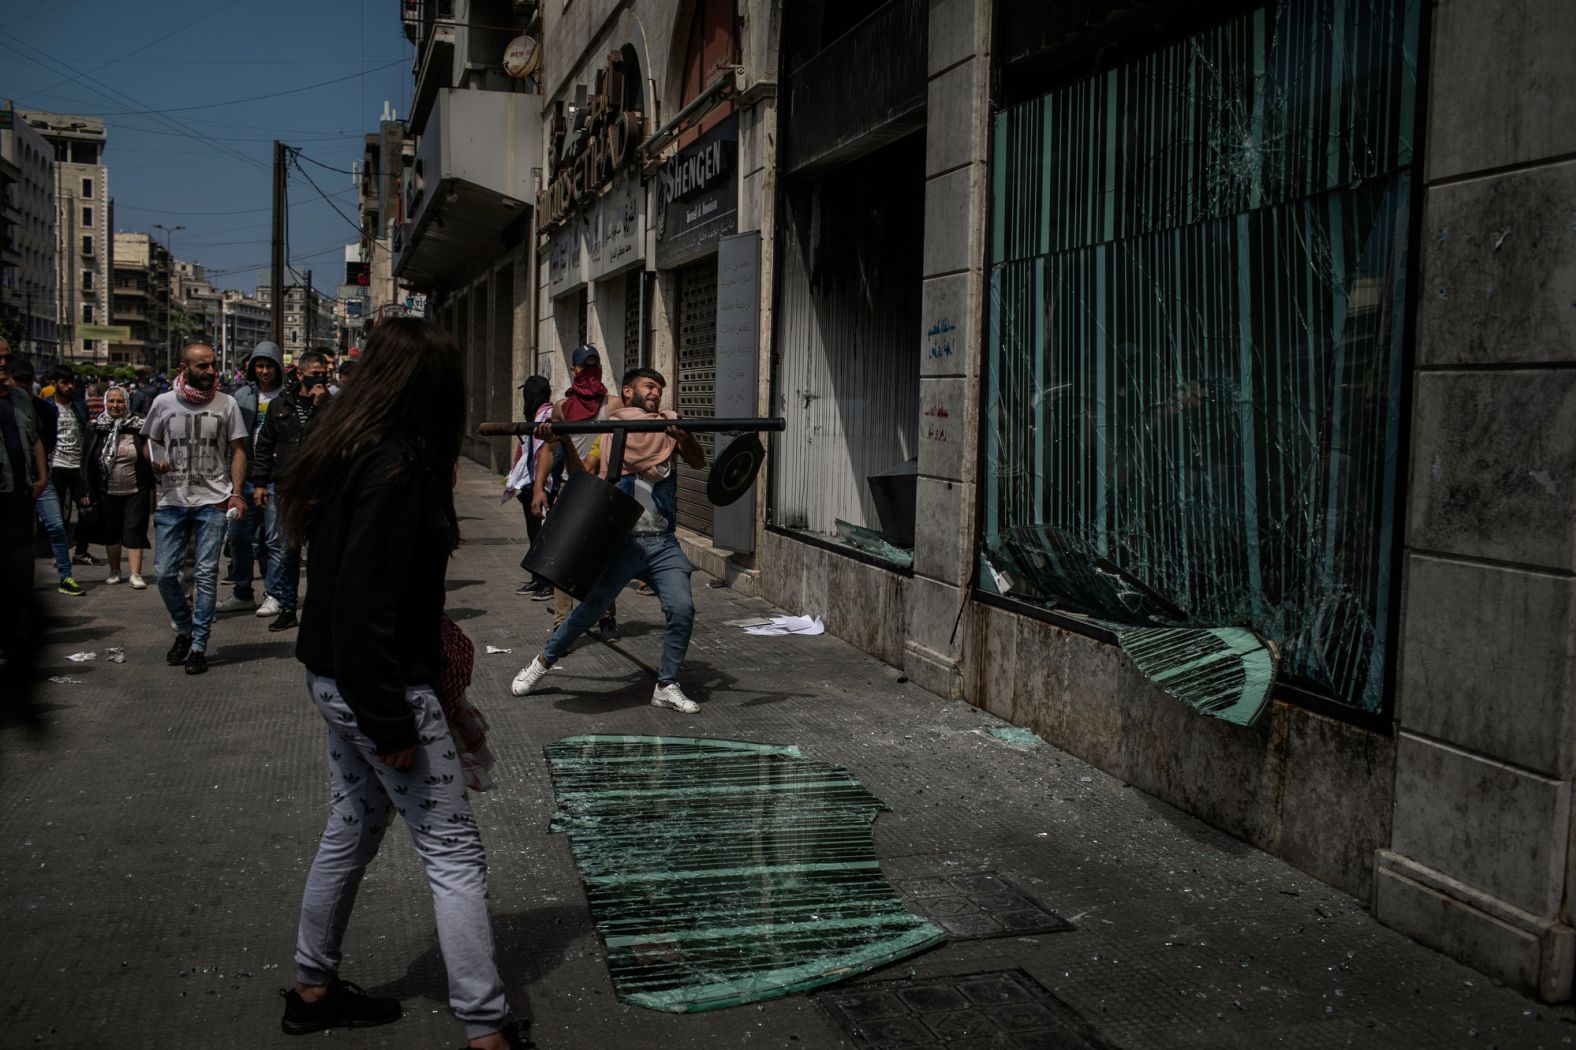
(84, 245)
(1243, 327)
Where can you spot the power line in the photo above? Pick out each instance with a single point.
(157, 40)
(189, 214)
(294, 154)
(251, 98)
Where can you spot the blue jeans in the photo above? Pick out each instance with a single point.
(245, 532)
(48, 507)
(283, 582)
(658, 560)
(173, 527)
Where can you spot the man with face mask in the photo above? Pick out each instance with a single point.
(284, 428)
(196, 443)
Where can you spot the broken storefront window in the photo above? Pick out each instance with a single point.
(1198, 275)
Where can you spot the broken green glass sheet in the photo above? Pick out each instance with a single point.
(1223, 672)
(1016, 737)
(872, 542)
(1198, 278)
(721, 872)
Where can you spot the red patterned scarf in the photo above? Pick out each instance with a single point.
(585, 396)
(190, 394)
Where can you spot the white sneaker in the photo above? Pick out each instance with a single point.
(138, 583)
(529, 675)
(112, 579)
(270, 607)
(672, 696)
(233, 604)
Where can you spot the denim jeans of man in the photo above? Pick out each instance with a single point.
(283, 582)
(173, 528)
(248, 542)
(47, 507)
(659, 560)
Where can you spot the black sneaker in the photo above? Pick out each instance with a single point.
(179, 651)
(525, 588)
(345, 1006)
(197, 662)
(84, 558)
(608, 627)
(284, 621)
(542, 594)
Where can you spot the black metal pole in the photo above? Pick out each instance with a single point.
(641, 426)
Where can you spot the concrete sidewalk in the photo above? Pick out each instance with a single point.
(159, 836)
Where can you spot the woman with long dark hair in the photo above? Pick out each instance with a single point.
(372, 491)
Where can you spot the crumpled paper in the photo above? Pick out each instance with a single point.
(780, 625)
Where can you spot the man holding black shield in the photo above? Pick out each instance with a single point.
(651, 552)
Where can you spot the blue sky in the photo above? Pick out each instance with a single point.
(146, 68)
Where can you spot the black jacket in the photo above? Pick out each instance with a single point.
(374, 596)
(47, 412)
(284, 428)
(93, 463)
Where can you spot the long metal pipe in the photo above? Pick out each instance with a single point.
(640, 426)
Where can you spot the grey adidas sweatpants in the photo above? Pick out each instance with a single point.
(430, 797)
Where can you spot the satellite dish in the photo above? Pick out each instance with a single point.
(734, 471)
(522, 56)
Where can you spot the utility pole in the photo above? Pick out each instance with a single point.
(276, 288)
(311, 313)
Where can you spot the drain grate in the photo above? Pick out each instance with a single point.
(978, 905)
(1005, 1008)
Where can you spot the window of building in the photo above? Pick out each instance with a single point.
(84, 153)
(1194, 347)
(87, 313)
(87, 244)
(87, 189)
(87, 280)
(87, 216)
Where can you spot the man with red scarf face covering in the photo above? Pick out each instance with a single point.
(586, 398)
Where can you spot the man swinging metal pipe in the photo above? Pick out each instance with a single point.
(634, 517)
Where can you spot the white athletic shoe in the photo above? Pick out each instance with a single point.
(671, 695)
(233, 604)
(138, 583)
(112, 579)
(529, 675)
(270, 607)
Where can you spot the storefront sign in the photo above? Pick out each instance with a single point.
(566, 261)
(589, 149)
(115, 333)
(697, 196)
(616, 235)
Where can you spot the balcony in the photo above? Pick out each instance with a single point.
(862, 91)
(470, 181)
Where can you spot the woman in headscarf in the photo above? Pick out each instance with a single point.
(372, 491)
(121, 483)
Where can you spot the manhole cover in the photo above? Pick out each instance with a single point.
(1005, 1008)
(978, 905)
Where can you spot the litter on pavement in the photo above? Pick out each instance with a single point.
(78, 658)
(493, 650)
(788, 625)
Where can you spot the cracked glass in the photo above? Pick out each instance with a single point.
(1197, 284)
(721, 872)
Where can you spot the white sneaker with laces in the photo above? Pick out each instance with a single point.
(233, 604)
(529, 675)
(671, 695)
(112, 579)
(270, 607)
(137, 582)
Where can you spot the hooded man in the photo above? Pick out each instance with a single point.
(265, 380)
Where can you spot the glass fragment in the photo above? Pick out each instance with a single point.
(721, 872)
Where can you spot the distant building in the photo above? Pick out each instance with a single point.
(244, 322)
(202, 303)
(379, 208)
(27, 242)
(304, 328)
(141, 303)
(82, 232)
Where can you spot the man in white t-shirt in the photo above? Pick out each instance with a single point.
(197, 446)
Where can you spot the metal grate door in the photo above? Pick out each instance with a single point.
(697, 381)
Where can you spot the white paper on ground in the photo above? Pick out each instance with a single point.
(78, 658)
(493, 649)
(749, 621)
(780, 625)
(115, 654)
(62, 680)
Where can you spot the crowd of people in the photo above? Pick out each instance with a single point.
(363, 478)
(164, 465)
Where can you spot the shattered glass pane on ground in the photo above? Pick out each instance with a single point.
(1198, 279)
(721, 872)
